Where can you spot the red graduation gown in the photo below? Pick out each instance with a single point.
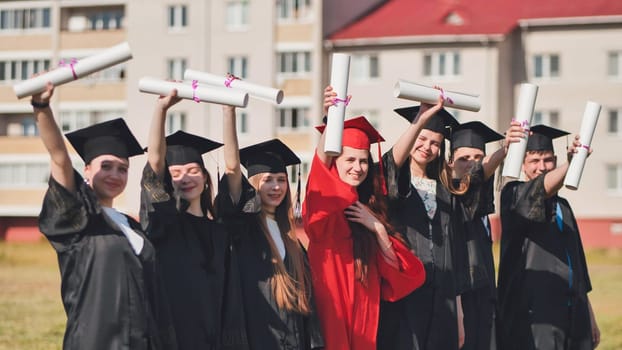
(347, 309)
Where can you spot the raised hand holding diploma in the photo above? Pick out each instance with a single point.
(588, 125)
(421, 93)
(524, 113)
(194, 91)
(74, 70)
(230, 81)
(339, 75)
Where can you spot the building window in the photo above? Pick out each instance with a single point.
(303, 168)
(614, 121)
(16, 70)
(242, 122)
(175, 121)
(24, 19)
(372, 116)
(293, 119)
(614, 177)
(237, 66)
(24, 173)
(549, 118)
(614, 64)
(546, 66)
(237, 15)
(293, 9)
(77, 119)
(105, 20)
(364, 67)
(294, 62)
(177, 17)
(176, 68)
(441, 64)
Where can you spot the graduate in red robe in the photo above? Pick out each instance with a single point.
(355, 256)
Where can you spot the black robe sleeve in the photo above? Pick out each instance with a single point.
(65, 215)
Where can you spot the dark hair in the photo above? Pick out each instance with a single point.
(364, 241)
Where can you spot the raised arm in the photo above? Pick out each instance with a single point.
(61, 168)
(403, 146)
(156, 155)
(554, 179)
(514, 134)
(232, 153)
(329, 100)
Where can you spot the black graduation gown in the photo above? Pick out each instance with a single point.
(267, 326)
(479, 298)
(543, 277)
(426, 318)
(195, 264)
(111, 295)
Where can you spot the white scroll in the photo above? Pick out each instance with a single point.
(196, 92)
(339, 74)
(75, 70)
(588, 126)
(417, 92)
(524, 112)
(262, 92)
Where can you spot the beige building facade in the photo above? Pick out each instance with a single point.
(288, 45)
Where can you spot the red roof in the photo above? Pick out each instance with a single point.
(428, 17)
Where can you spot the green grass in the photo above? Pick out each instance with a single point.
(32, 315)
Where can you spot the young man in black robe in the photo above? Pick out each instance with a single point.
(543, 277)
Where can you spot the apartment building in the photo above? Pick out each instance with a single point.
(277, 45)
(573, 52)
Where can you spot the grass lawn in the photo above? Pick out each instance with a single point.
(32, 316)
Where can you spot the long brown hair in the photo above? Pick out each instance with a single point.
(439, 170)
(291, 291)
(364, 242)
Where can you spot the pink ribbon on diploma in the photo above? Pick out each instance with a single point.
(195, 85)
(71, 63)
(445, 97)
(230, 78)
(587, 147)
(524, 124)
(336, 100)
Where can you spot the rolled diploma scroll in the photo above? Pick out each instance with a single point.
(524, 112)
(588, 125)
(209, 93)
(61, 75)
(417, 92)
(339, 74)
(254, 90)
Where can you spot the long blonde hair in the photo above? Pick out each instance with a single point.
(291, 291)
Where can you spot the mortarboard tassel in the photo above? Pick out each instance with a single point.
(298, 206)
(383, 182)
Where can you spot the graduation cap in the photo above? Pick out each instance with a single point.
(541, 138)
(111, 137)
(357, 133)
(442, 122)
(473, 134)
(267, 157)
(183, 148)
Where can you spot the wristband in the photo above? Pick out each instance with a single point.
(39, 105)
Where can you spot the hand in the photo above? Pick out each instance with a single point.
(574, 148)
(329, 98)
(515, 133)
(45, 95)
(427, 110)
(166, 102)
(360, 213)
(595, 329)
